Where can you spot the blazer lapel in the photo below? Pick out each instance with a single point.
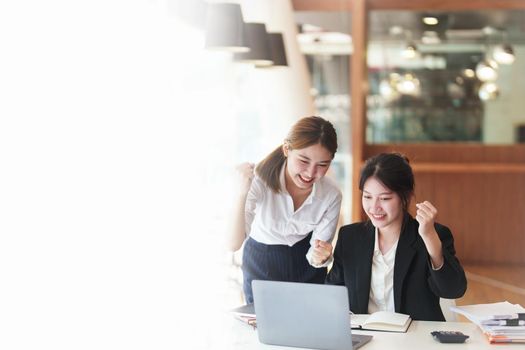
(364, 268)
(404, 254)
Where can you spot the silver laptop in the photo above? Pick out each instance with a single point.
(304, 315)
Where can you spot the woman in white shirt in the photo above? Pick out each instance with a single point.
(287, 209)
(394, 262)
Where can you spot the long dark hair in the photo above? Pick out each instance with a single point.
(306, 132)
(394, 171)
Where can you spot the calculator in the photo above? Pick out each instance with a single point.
(449, 336)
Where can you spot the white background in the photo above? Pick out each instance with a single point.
(104, 171)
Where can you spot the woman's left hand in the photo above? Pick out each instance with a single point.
(426, 214)
(321, 252)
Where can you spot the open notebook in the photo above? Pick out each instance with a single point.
(381, 321)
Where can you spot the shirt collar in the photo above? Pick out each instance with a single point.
(376, 244)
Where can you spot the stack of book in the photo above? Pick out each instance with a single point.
(502, 322)
(245, 313)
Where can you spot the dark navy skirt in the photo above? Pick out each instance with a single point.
(278, 262)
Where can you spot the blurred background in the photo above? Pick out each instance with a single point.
(121, 123)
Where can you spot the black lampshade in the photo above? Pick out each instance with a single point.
(277, 49)
(225, 28)
(259, 45)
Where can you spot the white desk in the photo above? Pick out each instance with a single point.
(418, 337)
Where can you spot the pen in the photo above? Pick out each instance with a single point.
(507, 322)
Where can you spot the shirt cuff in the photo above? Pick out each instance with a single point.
(325, 264)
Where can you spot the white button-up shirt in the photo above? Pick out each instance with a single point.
(270, 217)
(381, 296)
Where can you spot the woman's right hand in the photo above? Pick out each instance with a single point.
(245, 172)
(321, 252)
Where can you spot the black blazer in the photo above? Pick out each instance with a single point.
(417, 287)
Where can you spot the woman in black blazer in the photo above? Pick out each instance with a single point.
(413, 262)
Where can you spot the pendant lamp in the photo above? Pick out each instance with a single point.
(225, 28)
(259, 44)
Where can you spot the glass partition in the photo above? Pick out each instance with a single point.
(446, 77)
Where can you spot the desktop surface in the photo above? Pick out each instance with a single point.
(418, 336)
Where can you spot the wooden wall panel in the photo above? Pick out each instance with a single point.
(486, 213)
(454, 153)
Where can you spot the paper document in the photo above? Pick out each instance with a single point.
(479, 312)
(501, 322)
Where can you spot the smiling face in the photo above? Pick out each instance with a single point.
(306, 166)
(382, 205)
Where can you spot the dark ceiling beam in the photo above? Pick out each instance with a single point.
(436, 5)
(450, 5)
